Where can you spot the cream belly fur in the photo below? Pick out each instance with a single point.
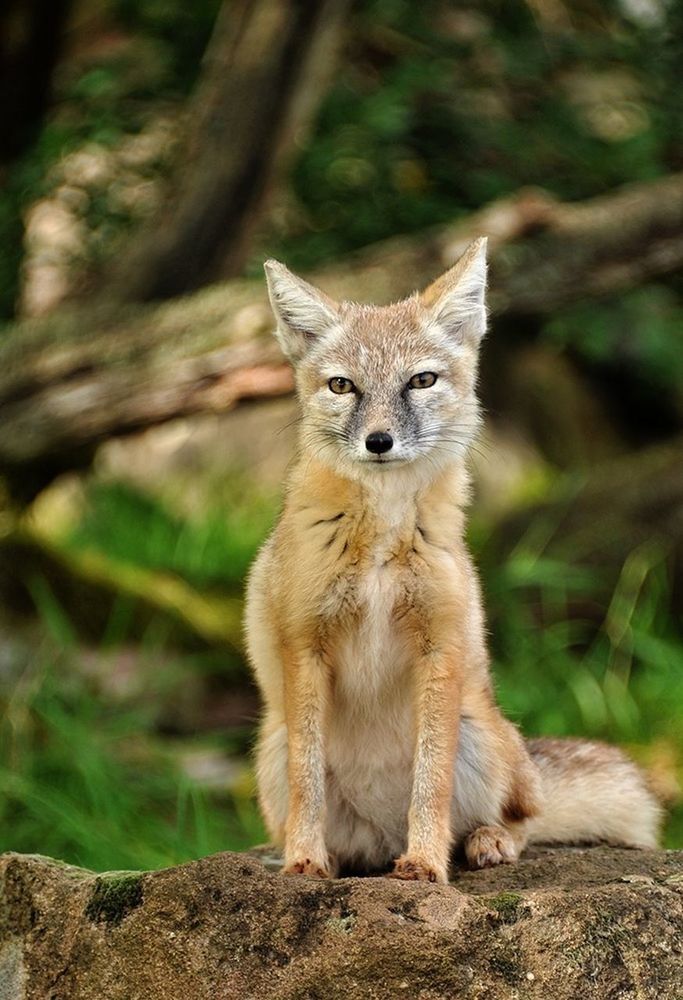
(369, 781)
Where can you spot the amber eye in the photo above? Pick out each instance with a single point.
(340, 385)
(423, 380)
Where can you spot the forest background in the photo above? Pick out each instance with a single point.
(152, 154)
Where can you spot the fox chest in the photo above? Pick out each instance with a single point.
(370, 737)
(370, 646)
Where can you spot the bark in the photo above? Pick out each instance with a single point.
(74, 379)
(592, 923)
(265, 70)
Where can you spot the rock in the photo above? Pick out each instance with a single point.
(594, 924)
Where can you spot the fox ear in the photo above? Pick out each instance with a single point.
(303, 313)
(457, 300)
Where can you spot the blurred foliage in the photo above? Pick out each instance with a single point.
(630, 347)
(558, 674)
(441, 108)
(436, 109)
(100, 96)
(180, 30)
(87, 780)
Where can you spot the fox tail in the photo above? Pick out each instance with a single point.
(592, 792)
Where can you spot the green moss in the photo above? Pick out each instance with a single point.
(115, 895)
(506, 905)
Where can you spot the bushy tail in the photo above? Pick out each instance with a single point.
(593, 792)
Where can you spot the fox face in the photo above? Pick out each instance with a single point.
(385, 387)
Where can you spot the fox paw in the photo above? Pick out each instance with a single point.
(307, 867)
(415, 870)
(489, 846)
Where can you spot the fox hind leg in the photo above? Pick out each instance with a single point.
(498, 791)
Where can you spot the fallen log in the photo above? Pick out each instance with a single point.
(590, 923)
(72, 380)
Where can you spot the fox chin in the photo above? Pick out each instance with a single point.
(381, 745)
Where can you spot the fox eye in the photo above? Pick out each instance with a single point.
(423, 380)
(340, 385)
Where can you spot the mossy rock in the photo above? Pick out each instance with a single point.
(114, 895)
(595, 924)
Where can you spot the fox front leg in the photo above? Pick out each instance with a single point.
(306, 696)
(429, 820)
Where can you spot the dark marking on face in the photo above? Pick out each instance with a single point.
(400, 414)
(356, 420)
(409, 415)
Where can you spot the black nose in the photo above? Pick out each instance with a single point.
(378, 442)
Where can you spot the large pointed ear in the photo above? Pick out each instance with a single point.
(302, 312)
(457, 300)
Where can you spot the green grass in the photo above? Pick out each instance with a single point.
(213, 550)
(88, 780)
(618, 679)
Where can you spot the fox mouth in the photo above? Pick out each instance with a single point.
(384, 460)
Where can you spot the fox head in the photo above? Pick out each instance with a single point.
(385, 387)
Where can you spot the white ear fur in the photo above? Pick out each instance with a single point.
(457, 300)
(303, 313)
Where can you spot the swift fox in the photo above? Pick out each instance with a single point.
(381, 745)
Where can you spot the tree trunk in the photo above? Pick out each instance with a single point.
(72, 380)
(265, 71)
(31, 36)
(31, 39)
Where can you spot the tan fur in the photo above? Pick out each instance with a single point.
(381, 740)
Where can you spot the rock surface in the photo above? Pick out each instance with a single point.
(584, 923)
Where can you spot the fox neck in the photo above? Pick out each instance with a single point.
(389, 502)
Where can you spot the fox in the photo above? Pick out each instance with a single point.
(381, 748)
